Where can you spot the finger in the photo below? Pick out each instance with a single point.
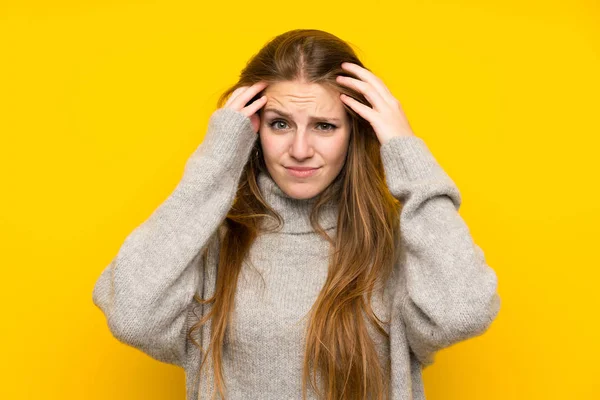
(365, 88)
(240, 101)
(235, 94)
(371, 78)
(252, 108)
(361, 109)
(367, 76)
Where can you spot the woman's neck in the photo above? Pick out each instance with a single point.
(295, 212)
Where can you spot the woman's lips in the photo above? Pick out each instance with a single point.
(301, 172)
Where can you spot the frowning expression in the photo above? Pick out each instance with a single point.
(304, 133)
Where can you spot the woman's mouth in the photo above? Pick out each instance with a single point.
(301, 172)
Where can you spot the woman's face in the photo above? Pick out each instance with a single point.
(303, 125)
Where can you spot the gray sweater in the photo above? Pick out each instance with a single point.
(443, 293)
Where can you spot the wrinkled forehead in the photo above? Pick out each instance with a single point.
(311, 99)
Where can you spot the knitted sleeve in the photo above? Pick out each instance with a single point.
(447, 292)
(146, 289)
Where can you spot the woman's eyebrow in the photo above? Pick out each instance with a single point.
(312, 117)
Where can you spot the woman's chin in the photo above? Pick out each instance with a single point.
(301, 190)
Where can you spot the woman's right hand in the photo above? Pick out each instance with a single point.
(242, 95)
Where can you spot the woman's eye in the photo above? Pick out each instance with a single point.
(327, 126)
(272, 124)
(331, 126)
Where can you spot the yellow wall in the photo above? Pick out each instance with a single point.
(101, 103)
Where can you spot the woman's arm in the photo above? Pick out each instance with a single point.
(146, 289)
(447, 292)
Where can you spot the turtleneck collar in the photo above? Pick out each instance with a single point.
(295, 212)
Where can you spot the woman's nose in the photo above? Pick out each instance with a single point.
(300, 147)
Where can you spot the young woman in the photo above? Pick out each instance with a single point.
(313, 247)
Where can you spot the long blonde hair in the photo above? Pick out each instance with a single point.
(337, 340)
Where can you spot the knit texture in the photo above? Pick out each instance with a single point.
(441, 292)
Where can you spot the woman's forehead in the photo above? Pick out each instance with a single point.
(303, 98)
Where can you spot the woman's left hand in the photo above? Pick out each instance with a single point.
(386, 116)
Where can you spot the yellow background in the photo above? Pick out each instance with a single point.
(101, 103)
